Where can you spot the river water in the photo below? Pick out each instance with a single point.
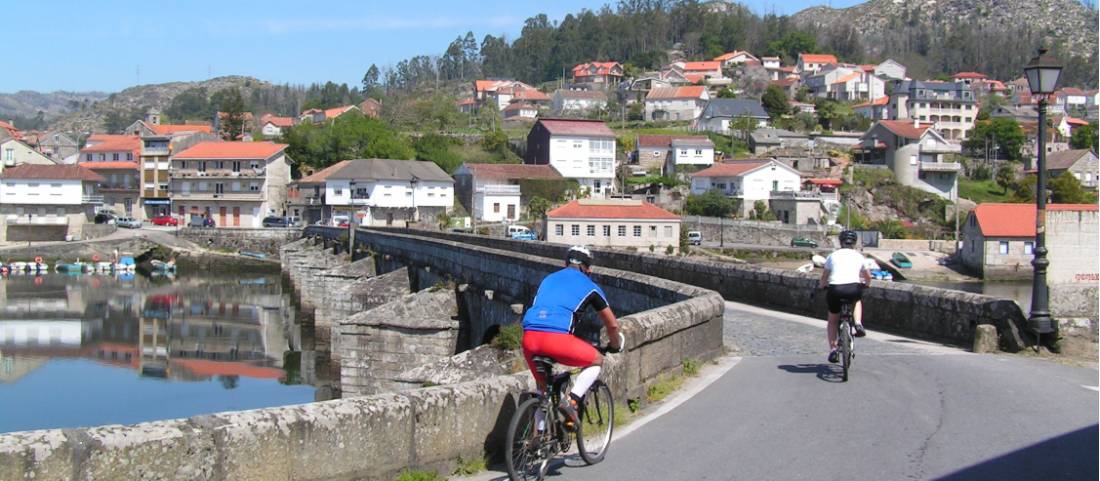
(98, 349)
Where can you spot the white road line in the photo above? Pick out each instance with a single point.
(917, 344)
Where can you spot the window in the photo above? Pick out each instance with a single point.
(668, 231)
(637, 231)
(1003, 247)
(337, 191)
(1029, 247)
(683, 152)
(114, 156)
(698, 151)
(622, 231)
(559, 229)
(254, 187)
(607, 231)
(496, 207)
(590, 230)
(653, 231)
(575, 229)
(102, 157)
(88, 157)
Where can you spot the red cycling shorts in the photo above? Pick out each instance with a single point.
(564, 348)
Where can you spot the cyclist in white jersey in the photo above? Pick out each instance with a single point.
(845, 274)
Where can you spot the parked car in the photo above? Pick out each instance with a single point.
(695, 237)
(165, 220)
(899, 259)
(105, 217)
(275, 221)
(526, 236)
(517, 229)
(802, 242)
(128, 223)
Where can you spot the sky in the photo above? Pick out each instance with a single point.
(108, 45)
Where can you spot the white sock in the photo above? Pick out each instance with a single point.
(584, 380)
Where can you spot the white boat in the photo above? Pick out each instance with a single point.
(806, 267)
(18, 267)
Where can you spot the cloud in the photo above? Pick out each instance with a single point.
(287, 26)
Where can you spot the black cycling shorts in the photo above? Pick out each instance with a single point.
(838, 293)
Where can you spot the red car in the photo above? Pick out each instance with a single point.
(165, 220)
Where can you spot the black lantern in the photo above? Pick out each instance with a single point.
(1043, 74)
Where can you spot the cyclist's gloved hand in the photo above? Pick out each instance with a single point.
(617, 347)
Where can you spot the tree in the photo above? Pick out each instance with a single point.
(370, 79)
(537, 207)
(743, 125)
(760, 211)
(437, 148)
(775, 101)
(350, 136)
(230, 104)
(1003, 132)
(792, 44)
(727, 93)
(1085, 137)
(1005, 176)
(1066, 189)
(438, 111)
(710, 204)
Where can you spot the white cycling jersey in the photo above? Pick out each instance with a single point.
(845, 267)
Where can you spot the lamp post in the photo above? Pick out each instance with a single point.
(1043, 75)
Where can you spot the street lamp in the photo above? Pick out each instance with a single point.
(1043, 74)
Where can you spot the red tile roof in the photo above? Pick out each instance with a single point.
(705, 66)
(98, 138)
(730, 55)
(665, 140)
(692, 92)
(590, 128)
(594, 209)
(203, 367)
(231, 150)
(169, 129)
(513, 171)
(1017, 220)
(817, 58)
(968, 75)
(529, 94)
(602, 68)
(321, 176)
(123, 143)
(1073, 91)
(279, 121)
(51, 172)
(338, 111)
(905, 128)
(828, 182)
(874, 103)
(695, 77)
(110, 165)
(1076, 121)
(731, 169)
(466, 101)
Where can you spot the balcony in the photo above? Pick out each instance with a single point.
(91, 199)
(940, 166)
(940, 148)
(499, 189)
(218, 173)
(147, 165)
(798, 195)
(155, 150)
(359, 201)
(35, 219)
(257, 196)
(307, 200)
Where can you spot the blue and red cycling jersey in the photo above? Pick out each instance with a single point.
(561, 296)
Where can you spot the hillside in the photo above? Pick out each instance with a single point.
(24, 105)
(996, 37)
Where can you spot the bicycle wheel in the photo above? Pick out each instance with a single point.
(845, 346)
(596, 413)
(524, 453)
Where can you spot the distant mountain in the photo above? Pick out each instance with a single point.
(995, 37)
(25, 105)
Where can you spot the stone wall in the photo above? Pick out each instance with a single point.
(929, 312)
(755, 232)
(266, 241)
(944, 246)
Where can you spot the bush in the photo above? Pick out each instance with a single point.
(510, 337)
(418, 476)
(981, 172)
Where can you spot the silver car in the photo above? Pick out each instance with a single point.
(128, 222)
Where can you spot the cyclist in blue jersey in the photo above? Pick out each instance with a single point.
(548, 325)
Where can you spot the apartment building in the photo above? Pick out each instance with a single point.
(116, 159)
(583, 150)
(949, 106)
(235, 183)
(47, 202)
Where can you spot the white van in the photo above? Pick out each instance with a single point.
(695, 237)
(517, 229)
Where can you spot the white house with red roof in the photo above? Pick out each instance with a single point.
(676, 103)
(617, 223)
(877, 109)
(235, 183)
(271, 126)
(15, 152)
(968, 78)
(811, 63)
(846, 84)
(493, 192)
(603, 73)
(579, 149)
(116, 159)
(748, 180)
(999, 240)
(735, 58)
(916, 153)
(504, 92)
(317, 116)
(47, 202)
(520, 111)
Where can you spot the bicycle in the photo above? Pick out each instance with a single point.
(537, 432)
(845, 327)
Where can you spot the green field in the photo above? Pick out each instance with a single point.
(981, 191)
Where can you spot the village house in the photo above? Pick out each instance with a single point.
(578, 149)
(951, 107)
(371, 108)
(916, 153)
(1081, 163)
(771, 62)
(598, 73)
(998, 242)
(57, 146)
(116, 160)
(1071, 99)
(14, 152)
(619, 223)
(493, 192)
(656, 152)
(845, 84)
(968, 78)
(811, 63)
(747, 180)
(719, 113)
(577, 102)
(8, 130)
(890, 69)
(765, 140)
(689, 153)
(503, 92)
(878, 109)
(47, 202)
(709, 72)
(675, 103)
(316, 116)
(735, 58)
(374, 192)
(235, 183)
(520, 111)
(271, 126)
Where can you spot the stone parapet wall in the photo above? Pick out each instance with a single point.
(755, 232)
(267, 241)
(944, 246)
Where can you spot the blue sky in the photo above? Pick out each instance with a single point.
(102, 45)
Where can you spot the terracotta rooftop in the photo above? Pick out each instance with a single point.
(610, 209)
(593, 68)
(127, 143)
(110, 165)
(590, 128)
(701, 66)
(1016, 220)
(51, 172)
(968, 75)
(692, 92)
(731, 169)
(817, 58)
(169, 129)
(231, 150)
(279, 121)
(905, 128)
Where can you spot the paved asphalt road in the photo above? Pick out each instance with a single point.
(911, 410)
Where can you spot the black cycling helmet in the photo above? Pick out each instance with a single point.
(848, 238)
(579, 255)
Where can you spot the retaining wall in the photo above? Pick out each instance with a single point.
(944, 246)
(929, 312)
(755, 232)
(267, 241)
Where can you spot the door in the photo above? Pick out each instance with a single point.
(511, 211)
(236, 217)
(221, 216)
(389, 219)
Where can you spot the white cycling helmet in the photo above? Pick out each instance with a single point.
(579, 255)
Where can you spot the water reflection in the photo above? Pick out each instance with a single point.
(213, 340)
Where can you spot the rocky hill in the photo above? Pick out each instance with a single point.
(26, 104)
(993, 36)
